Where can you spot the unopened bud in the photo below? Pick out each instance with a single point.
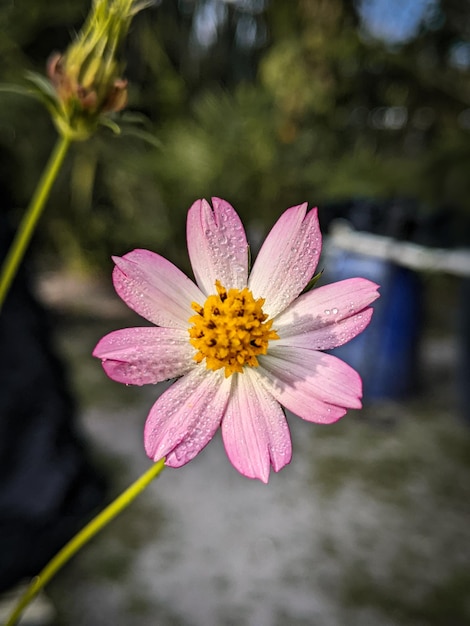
(87, 77)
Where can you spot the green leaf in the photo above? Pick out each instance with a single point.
(139, 133)
(111, 124)
(137, 125)
(50, 102)
(43, 84)
(18, 90)
(311, 284)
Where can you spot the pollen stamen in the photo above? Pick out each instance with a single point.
(230, 330)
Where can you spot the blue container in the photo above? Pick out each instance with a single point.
(386, 353)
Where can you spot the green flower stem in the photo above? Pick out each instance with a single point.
(31, 217)
(82, 537)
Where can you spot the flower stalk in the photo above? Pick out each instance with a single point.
(82, 538)
(33, 213)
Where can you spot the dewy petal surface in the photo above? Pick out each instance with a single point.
(138, 356)
(254, 429)
(315, 386)
(331, 335)
(186, 416)
(155, 288)
(287, 260)
(327, 316)
(217, 245)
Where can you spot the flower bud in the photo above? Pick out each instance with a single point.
(87, 78)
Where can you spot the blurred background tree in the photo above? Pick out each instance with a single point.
(266, 103)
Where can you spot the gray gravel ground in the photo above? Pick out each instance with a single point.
(368, 526)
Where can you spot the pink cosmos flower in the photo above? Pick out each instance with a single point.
(240, 345)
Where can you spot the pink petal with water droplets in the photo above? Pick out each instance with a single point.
(138, 356)
(254, 429)
(328, 316)
(315, 386)
(217, 245)
(186, 416)
(155, 288)
(287, 259)
(331, 335)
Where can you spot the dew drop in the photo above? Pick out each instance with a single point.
(327, 311)
(335, 311)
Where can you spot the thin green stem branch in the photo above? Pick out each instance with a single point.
(30, 219)
(82, 537)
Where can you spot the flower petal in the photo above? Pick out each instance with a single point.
(287, 259)
(186, 416)
(315, 386)
(138, 356)
(331, 335)
(155, 288)
(254, 429)
(217, 246)
(328, 316)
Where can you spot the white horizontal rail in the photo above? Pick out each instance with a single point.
(404, 253)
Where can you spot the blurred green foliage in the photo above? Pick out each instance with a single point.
(264, 103)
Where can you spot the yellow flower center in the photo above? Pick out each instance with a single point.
(230, 330)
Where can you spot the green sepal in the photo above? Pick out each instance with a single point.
(43, 84)
(135, 125)
(18, 90)
(40, 89)
(111, 124)
(46, 96)
(311, 284)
